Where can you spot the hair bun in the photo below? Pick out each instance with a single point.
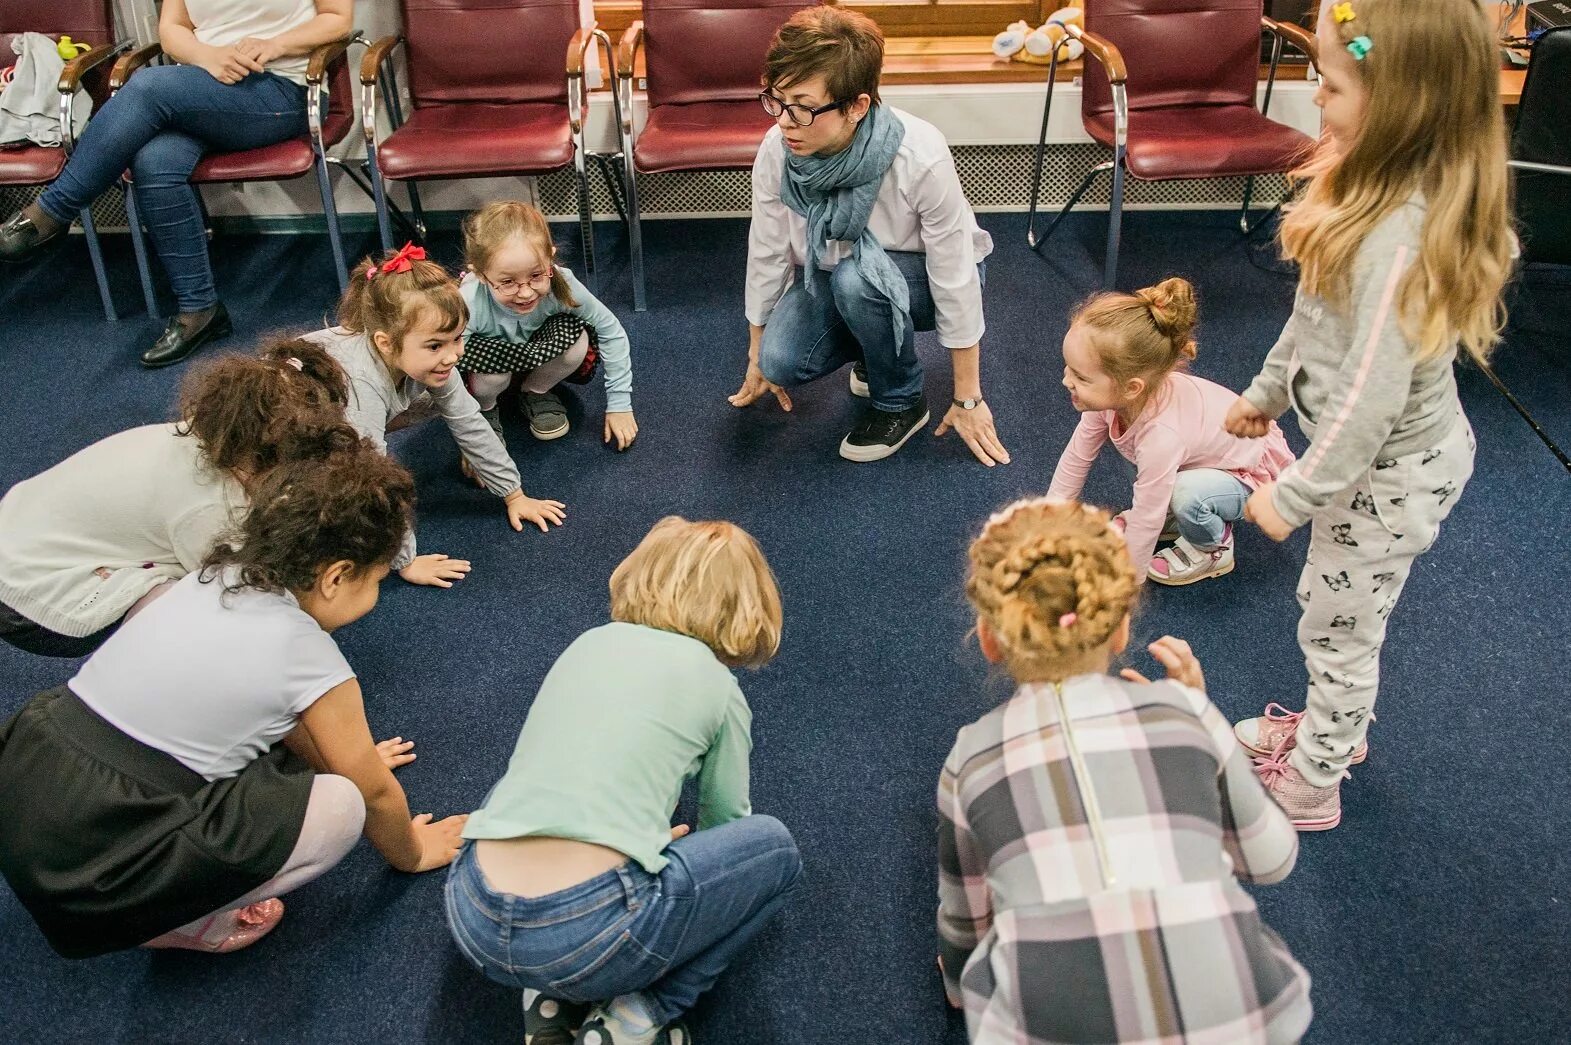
(1173, 308)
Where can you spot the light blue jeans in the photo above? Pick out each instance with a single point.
(844, 320)
(665, 937)
(1204, 501)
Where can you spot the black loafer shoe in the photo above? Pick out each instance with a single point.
(20, 239)
(176, 342)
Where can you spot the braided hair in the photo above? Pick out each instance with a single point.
(1053, 581)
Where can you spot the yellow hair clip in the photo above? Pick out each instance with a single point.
(1343, 12)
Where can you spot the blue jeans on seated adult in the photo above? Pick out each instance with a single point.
(158, 126)
(1204, 501)
(812, 334)
(665, 936)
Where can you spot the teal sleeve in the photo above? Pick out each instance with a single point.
(616, 351)
(723, 783)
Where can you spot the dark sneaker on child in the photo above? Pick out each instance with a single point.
(493, 417)
(598, 1031)
(547, 416)
(551, 1021)
(881, 432)
(859, 380)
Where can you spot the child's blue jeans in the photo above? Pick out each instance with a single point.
(1204, 501)
(158, 126)
(665, 936)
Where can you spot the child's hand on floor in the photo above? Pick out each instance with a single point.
(522, 509)
(622, 427)
(435, 570)
(396, 752)
(1177, 659)
(1260, 509)
(1245, 420)
(439, 841)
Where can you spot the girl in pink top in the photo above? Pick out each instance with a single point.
(1123, 365)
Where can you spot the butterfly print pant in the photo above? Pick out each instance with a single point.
(1361, 548)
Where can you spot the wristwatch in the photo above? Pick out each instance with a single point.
(968, 404)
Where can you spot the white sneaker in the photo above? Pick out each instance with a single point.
(859, 381)
(1183, 563)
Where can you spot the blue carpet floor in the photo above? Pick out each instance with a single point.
(1440, 911)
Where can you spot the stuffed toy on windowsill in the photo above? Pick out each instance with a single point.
(1021, 43)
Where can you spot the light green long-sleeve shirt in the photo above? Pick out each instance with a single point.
(625, 716)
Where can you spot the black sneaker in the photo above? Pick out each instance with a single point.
(551, 1021)
(881, 432)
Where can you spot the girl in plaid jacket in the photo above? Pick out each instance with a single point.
(1093, 830)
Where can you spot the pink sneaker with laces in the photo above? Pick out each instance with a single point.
(1310, 808)
(1277, 730)
(226, 931)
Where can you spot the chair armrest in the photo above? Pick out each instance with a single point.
(1102, 49)
(375, 55)
(1296, 36)
(131, 63)
(81, 65)
(627, 51)
(325, 55)
(580, 43)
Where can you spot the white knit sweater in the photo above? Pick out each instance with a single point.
(83, 541)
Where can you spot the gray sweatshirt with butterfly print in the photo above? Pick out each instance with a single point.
(1352, 378)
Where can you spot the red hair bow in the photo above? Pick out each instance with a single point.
(402, 261)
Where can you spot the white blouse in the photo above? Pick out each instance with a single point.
(920, 208)
(220, 23)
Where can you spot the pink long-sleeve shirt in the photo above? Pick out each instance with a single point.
(1180, 429)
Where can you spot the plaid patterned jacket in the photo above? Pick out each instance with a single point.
(1089, 839)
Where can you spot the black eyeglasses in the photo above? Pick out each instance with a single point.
(801, 115)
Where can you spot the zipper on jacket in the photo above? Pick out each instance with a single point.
(1087, 794)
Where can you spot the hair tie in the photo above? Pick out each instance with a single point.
(295, 362)
(402, 261)
(1068, 620)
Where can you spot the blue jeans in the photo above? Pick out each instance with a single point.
(812, 334)
(1204, 501)
(158, 126)
(666, 936)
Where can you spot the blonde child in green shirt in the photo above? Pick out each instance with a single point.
(572, 883)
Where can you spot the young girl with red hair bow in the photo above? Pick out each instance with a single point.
(400, 334)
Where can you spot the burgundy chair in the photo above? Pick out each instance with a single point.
(704, 62)
(84, 21)
(492, 96)
(329, 124)
(1171, 90)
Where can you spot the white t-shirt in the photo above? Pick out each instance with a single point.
(220, 23)
(212, 678)
(920, 208)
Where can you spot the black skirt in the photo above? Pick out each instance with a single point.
(109, 843)
(487, 354)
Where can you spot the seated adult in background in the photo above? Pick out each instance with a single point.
(239, 84)
(861, 235)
